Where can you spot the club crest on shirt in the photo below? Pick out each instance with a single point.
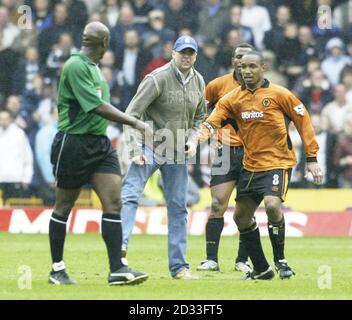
(266, 102)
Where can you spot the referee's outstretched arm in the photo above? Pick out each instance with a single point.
(109, 112)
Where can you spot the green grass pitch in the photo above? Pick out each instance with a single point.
(323, 267)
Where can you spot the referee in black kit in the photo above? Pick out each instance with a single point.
(82, 153)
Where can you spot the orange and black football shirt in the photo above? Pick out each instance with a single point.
(262, 118)
(214, 91)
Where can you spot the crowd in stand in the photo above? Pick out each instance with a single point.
(302, 48)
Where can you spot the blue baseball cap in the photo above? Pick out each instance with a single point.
(185, 42)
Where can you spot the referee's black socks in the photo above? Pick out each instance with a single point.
(57, 233)
(277, 238)
(112, 234)
(213, 231)
(251, 239)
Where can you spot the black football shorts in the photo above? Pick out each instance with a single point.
(227, 165)
(256, 185)
(77, 157)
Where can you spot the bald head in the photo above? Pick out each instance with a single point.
(95, 34)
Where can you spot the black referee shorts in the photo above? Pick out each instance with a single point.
(227, 165)
(256, 185)
(77, 157)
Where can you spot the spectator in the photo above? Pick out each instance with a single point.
(125, 22)
(246, 33)
(257, 18)
(211, 19)
(25, 70)
(51, 35)
(334, 113)
(12, 7)
(303, 12)
(110, 12)
(312, 65)
(346, 80)
(97, 17)
(42, 15)
(16, 161)
(130, 62)
(28, 118)
(93, 5)
(288, 54)
(232, 39)
(141, 10)
(156, 35)
(342, 15)
(26, 38)
(110, 72)
(185, 32)
(307, 43)
(159, 61)
(43, 141)
(207, 61)
(332, 120)
(349, 48)
(108, 60)
(177, 16)
(43, 114)
(316, 92)
(111, 78)
(61, 51)
(271, 73)
(8, 61)
(335, 60)
(13, 105)
(77, 15)
(274, 36)
(343, 154)
(8, 30)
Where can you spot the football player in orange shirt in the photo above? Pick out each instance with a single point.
(262, 112)
(226, 167)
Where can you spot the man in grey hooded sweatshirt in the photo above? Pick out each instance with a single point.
(172, 100)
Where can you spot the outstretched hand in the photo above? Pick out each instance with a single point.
(190, 149)
(139, 160)
(316, 172)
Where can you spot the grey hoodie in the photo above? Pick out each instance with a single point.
(164, 100)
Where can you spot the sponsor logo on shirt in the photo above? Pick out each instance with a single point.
(252, 115)
(299, 109)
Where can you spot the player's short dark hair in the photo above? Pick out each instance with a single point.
(242, 45)
(256, 53)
